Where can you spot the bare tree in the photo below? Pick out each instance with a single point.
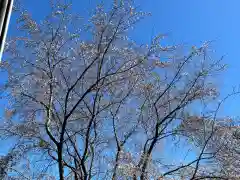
(98, 105)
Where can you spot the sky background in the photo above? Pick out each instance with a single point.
(186, 22)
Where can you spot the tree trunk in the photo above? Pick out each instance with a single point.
(60, 163)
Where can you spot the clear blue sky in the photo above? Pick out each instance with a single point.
(192, 22)
(186, 21)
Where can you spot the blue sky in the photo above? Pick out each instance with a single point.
(187, 22)
(192, 22)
